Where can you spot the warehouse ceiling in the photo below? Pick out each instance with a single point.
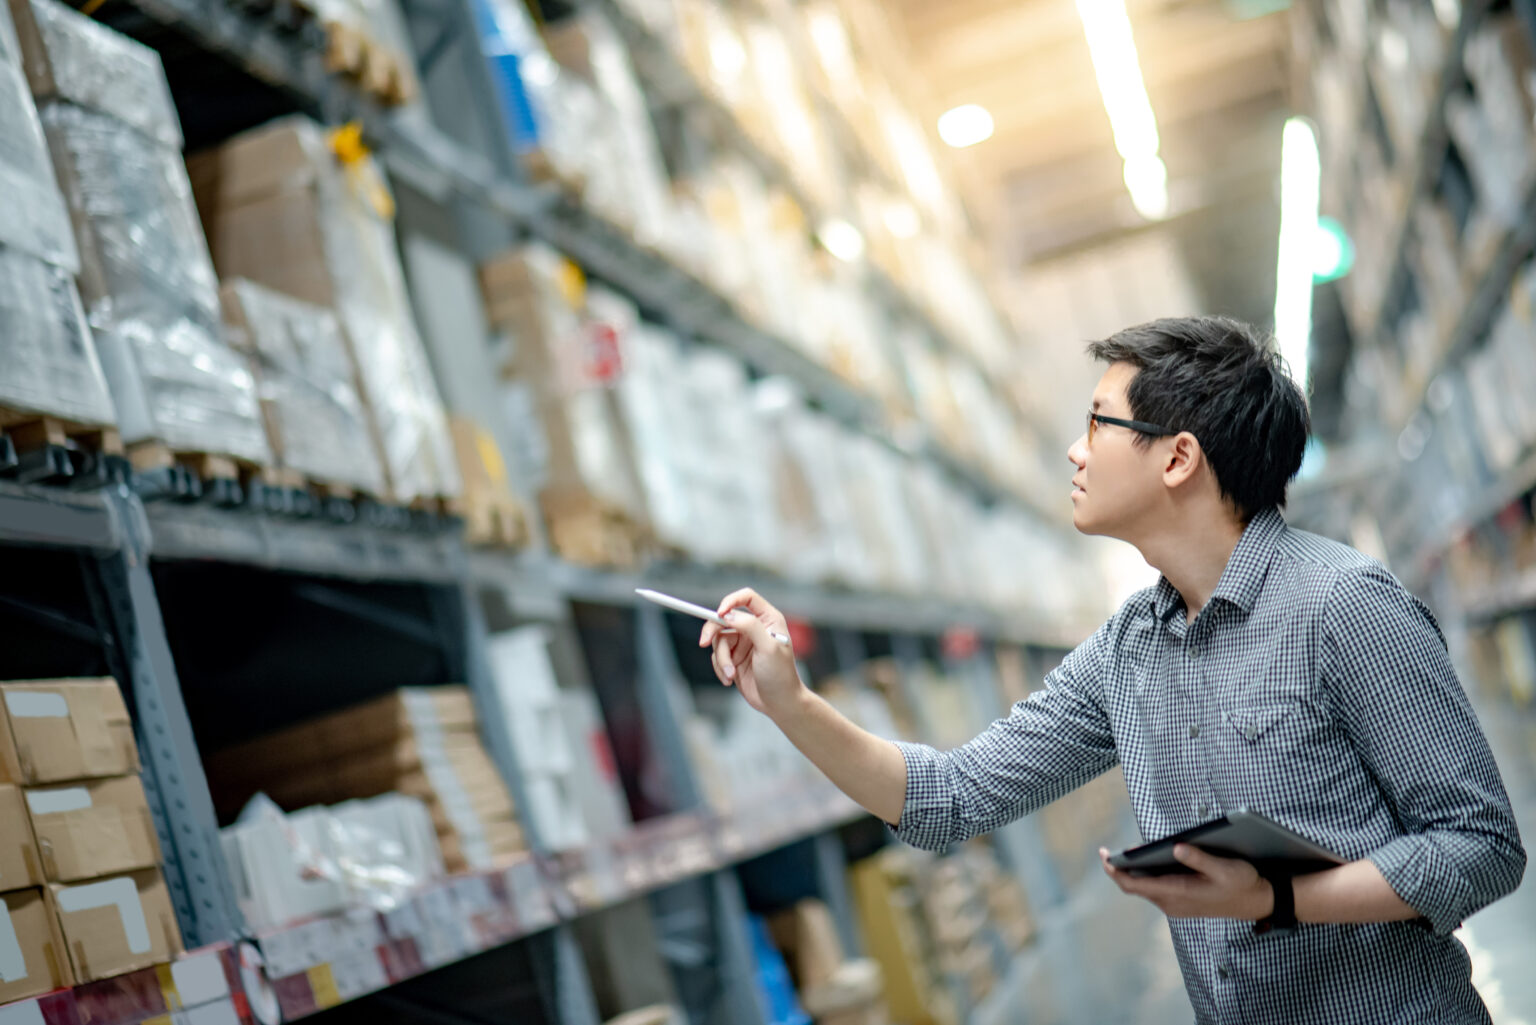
(1049, 180)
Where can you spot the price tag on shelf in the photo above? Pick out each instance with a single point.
(530, 895)
(603, 870)
(358, 974)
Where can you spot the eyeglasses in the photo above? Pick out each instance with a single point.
(1094, 419)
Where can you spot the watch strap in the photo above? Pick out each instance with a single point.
(1282, 918)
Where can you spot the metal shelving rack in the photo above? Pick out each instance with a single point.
(121, 540)
(1489, 288)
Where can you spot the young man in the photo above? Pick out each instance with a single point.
(1269, 668)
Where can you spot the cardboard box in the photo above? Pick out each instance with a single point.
(117, 925)
(74, 58)
(34, 960)
(808, 938)
(55, 731)
(20, 865)
(93, 829)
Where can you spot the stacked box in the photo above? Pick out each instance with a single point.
(307, 213)
(328, 859)
(52, 367)
(420, 742)
(833, 989)
(77, 823)
(887, 899)
(566, 354)
(145, 276)
(314, 417)
(530, 695)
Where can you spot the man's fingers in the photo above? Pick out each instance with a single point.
(725, 663)
(1193, 857)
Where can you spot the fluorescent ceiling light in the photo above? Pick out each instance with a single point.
(1300, 187)
(1147, 178)
(1118, 70)
(842, 240)
(965, 125)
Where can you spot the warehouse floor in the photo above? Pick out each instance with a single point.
(1107, 958)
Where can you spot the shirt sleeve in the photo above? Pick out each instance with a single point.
(1052, 742)
(1385, 662)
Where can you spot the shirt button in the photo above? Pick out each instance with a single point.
(1194, 731)
(1224, 970)
(1205, 809)
(1194, 651)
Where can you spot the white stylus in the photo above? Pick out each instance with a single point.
(698, 611)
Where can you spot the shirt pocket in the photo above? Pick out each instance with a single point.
(1253, 722)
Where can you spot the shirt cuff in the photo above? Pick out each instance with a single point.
(927, 814)
(1426, 879)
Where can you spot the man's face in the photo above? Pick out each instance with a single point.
(1116, 478)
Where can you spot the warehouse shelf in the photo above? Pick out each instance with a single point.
(1515, 594)
(203, 986)
(293, 61)
(1489, 294)
(318, 963)
(355, 550)
(1434, 138)
(662, 71)
(42, 515)
(1483, 506)
(275, 43)
(536, 575)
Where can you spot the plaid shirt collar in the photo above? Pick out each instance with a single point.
(1243, 578)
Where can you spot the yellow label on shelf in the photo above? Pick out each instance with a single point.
(168, 987)
(490, 457)
(572, 284)
(322, 983)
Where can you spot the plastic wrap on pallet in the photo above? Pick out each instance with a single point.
(50, 364)
(397, 377)
(314, 416)
(33, 217)
(10, 46)
(70, 57)
(150, 291)
(282, 209)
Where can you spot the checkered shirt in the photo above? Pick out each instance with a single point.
(1312, 688)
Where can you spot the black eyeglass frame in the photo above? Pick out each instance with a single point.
(1136, 425)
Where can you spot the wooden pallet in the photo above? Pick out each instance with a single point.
(494, 523)
(31, 431)
(40, 448)
(589, 531)
(379, 69)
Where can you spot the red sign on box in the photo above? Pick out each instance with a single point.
(961, 642)
(604, 360)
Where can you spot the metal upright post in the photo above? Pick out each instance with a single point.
(123, 594)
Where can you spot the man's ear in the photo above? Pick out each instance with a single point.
(1184, 459)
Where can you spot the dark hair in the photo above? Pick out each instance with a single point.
(1226, 384)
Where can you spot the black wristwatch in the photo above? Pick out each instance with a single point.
(1282, 918)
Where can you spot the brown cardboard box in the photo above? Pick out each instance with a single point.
(93, 829)
(364, 728)
(117, 925)
(60, 730)
(19, 862)
(38, 963)
(808, 938)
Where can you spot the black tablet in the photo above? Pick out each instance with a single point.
(1240, 834)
